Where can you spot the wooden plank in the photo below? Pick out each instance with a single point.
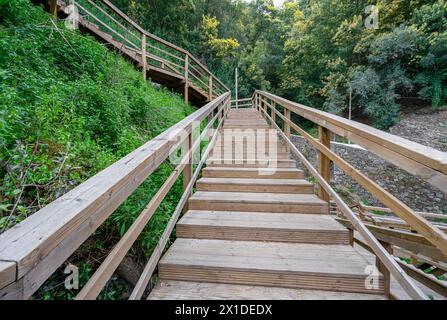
(407, 240)
(187, 290)
(262, 202)
(7, 273)
(426, 279)
(254, 173)
(259, 226)
(53, 12)
(255, 185)
(143, 56)
(278, 264)
(324, 163)
(286, 123)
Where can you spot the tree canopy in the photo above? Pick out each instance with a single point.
(314, 52)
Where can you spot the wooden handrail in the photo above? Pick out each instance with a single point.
(417, 222)
(424, 162)
(392, 266)
(388, 210)
(41, 243)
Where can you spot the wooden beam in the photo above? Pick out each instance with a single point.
(7, 273)
(53, 7)
(273, 112)
(324, 163)
(408, 240)
(186, 91)
(143, 56)
(188, 169)
(210, 88)
(426, 279)
(287, 123)
(382, 268)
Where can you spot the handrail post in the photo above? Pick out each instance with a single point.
(53, 8)
(210, 89)
(382, 268)
(324, 163)
(273, 111)
(143, 56)
(188, 170)
(286, 124)
(265, 107)
(186, 92)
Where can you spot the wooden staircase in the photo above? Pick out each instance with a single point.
(254, 229)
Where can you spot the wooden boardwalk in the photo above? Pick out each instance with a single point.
(247, 227)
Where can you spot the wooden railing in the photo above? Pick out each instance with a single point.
(152, 51)
(241, 103)
(31, 251)
(424, 162)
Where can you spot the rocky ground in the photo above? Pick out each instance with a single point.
(427, 128)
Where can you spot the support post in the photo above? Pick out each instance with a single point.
(143, 56)
(187, 171)
(265, 107)
(286, 124)
(236, 88)
(351, 237)
(386, 274)
(324, 163)
(211, 129)
(273, 113)
(210, 88)
(186, 93)
(53, 7)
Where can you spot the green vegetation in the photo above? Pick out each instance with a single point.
(314, 51)
(69, 108)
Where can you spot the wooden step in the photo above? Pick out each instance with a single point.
(252, 147)
(251, 163)
(262, 202)
(189, 290)
(255, 185)
(248, 126)
(254, 173)
(288, 265)
(249, 155)
(261, 226)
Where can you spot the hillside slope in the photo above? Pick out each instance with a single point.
(69, 107)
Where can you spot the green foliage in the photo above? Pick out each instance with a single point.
(69, 107)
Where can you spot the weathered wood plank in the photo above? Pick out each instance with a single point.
(7, 273)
